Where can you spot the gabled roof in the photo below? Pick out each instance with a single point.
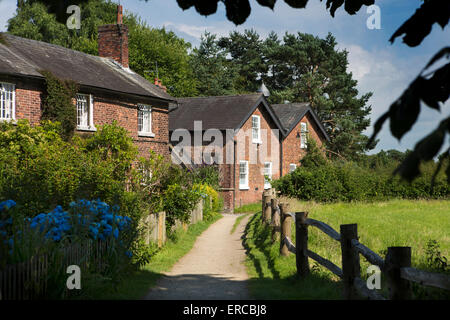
(291, 113)
(222, 112)
(25, 57)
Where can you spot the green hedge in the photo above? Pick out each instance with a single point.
(337, 181)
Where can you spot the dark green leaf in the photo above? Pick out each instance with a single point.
(353, 6)
(267, 3)
(297, 3)
(206, 7)
(237, 10)
(429, 146)
(405, 110)
(437, 56)
(185, 4)
(409, 168)
(416, 28)
(377, 127)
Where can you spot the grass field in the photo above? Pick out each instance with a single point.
(138, 284)
(380, 225)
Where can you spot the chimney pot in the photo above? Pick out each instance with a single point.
(119, 14)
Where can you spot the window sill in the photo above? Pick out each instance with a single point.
(92, 129)
(244, 188)
(13, 121)
(146, 134)
(257, 141)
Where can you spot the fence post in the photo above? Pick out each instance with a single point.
(286, 221)
(276, 222)
(301, 244)
(267, 208)
(273, 207)
(350, 260)
(397, 258)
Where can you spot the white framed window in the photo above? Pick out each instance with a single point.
(256, 129)
(267, 175)
(303, 135)
(7, 101)
(145, 121)
(243, 175)
(85, 112)
(292, 167)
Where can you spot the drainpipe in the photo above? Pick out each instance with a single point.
(234, 173)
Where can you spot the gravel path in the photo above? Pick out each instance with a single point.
(213, 269)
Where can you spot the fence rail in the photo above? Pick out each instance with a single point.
(396, 267)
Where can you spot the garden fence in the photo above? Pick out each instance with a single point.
(396, 267)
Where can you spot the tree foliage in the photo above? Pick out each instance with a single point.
(152, 52)
(298, 68)
(58, 103)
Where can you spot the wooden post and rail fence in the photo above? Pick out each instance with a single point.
(396, 267)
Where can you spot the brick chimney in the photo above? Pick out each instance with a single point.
(113, 40)
(158, 83)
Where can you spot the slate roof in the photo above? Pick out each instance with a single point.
(291, 113)
(222, 112)
(25, 57)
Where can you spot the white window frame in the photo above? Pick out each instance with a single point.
(5, 90)
(145, 129)
(303, 135)
(88, 114)
(268, 173)
(256, 138)
(243, 186)
(292, 167)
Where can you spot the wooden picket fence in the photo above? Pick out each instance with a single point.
(396, 267)
(28, 280)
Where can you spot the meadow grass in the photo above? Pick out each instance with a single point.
(380, 225)
(136, 285)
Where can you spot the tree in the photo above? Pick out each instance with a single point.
(150, 49)
(432, 88)
(304, 68)
(215, 75)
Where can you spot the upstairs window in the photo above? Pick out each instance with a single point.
(145, 120)
(7, 101)
(85, 112)
(267, 175)
(243, 174)
(292, 167)
(256, 129)
(303, 135)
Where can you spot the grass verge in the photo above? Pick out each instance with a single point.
(237, 222)
(380, 225)
(136, 285)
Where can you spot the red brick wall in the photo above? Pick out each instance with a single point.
(256, 177)
(28, 106)
(126, 115)
(292, 153)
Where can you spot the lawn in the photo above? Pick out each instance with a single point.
(380, 225)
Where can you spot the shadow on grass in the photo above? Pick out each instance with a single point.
(273, 281)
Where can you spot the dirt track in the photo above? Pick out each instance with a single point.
(213, 269)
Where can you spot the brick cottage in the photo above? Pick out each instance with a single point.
(257, 140)
(108, 89)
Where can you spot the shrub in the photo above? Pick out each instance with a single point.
(347, 181)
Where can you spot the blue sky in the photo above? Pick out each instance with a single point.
(380, 67)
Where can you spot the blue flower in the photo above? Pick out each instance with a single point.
(128, 253)
(116, 233)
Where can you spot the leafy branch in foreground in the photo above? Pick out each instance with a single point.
(432, 89)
